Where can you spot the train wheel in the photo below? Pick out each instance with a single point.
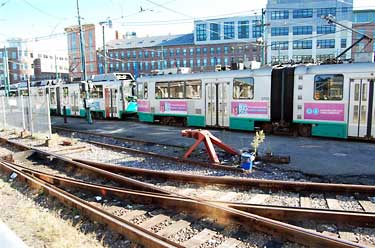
(304, 130)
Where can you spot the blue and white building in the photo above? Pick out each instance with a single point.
(296, 31)
(228, 30)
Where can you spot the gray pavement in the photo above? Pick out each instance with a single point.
(323, 157)
(9, 239)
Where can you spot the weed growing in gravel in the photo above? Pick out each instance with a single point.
(257, 140)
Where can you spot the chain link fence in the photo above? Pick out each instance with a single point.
(31, 113)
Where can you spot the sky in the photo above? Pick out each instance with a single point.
(43, 21)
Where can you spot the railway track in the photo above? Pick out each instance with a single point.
(254, 206)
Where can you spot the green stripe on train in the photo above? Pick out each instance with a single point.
(327, 129)
(244, 123)
(192, 120)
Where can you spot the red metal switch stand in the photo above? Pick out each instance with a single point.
(209, 141)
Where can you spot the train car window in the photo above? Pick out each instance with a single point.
(145, 91)
(176, 90)
(52, 96)
(140, 91)
(161, 90)
(97, 91)
(65, 91)
(329, 87)
(243, 88)
(193, 89)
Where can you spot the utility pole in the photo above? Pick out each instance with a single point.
(6, 72)
(57, 75)
(103, 23)
(262, 28)
(83, 64)
(162, 58)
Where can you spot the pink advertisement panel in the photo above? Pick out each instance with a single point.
(249, 108)
(143, 106)
(324, 111)
(179, 107)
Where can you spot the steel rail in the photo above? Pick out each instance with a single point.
(132, 231)
(108, 171)
(269, 211)
(238, 182)
(166, 157)
(222, 214)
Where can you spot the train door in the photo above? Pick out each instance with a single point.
(75, 103)
(58, 98)
(361, 108)
(107, 102)
(217, 104)
(113, 102)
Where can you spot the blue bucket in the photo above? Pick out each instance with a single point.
(246, 162)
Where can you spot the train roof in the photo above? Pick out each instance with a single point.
(207, 75)
(111, 77)
(335, 68)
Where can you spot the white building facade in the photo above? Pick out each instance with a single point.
(227, 30)
(295, 30)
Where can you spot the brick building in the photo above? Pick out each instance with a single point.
(11, 53)
(363, 21)
(214, 42)
(74, 52)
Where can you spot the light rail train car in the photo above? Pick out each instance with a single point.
(311, 100)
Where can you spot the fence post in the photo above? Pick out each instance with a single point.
(4, 115)
(23, 113)
(30, 109)
(48, 117)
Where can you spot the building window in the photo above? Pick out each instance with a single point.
(184, 62)
(117, 67)
(191, 63)
(329, 87)
(225, 61)
(184, 51)
(302, 58)
(171, 52)
(214, 31)
(226, 50)
(243, 29)
(128, 66)
(122, 66)
(146, 54)
(204, 62)
(14, 66)
(325, 43)
(212, 50)
(243, 88)
(324, 57)
(198, 50)
(204, 50)
(228, 30)
(128, 55)
(302, 13)
(280, 15)
(218, 61)
(301, 30)
(178, 63)
(325, 12)
(201, 32)
(257, 29)
(177, 51)
(212, 60)
(279, 45)
(279, 59)
(302, 44)
(14, 55)
(218, 50)
(279, 31)
(326, 29)
(134, 54)
(165, 52)
(198, 63)
(191, 51)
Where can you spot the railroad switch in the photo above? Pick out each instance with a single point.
(209, 142)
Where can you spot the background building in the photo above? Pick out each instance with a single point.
(9, 54)
(51, 67)
(295, 30)
(74, 53)
(364, 21)
(213, 42)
